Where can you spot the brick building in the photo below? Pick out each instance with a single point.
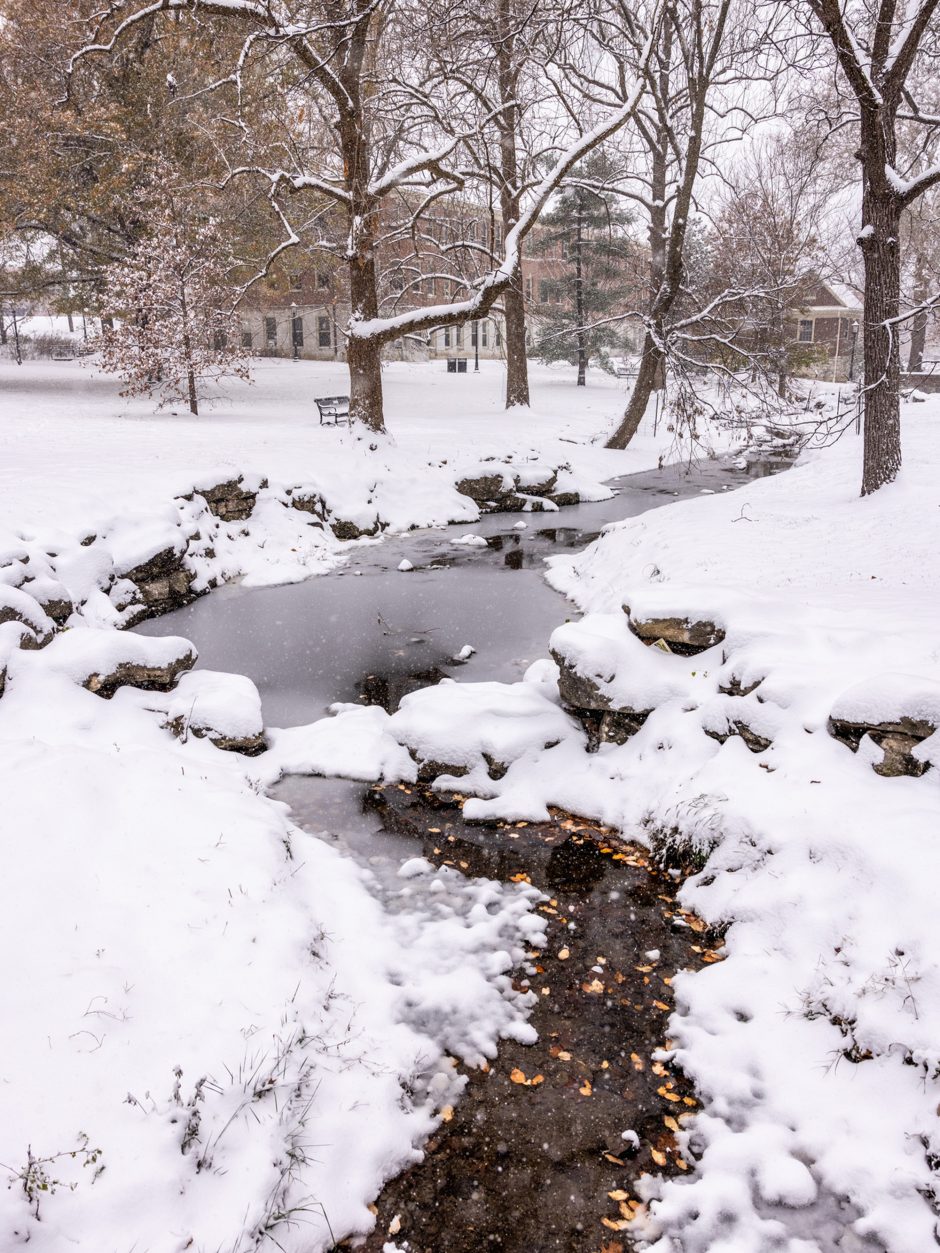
(828, 324)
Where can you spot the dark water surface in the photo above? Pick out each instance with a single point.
(309, 644)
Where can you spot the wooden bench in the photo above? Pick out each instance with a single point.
(333, 408)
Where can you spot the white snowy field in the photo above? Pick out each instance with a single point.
(214, 1035)
(815, 1044)
(75, 454)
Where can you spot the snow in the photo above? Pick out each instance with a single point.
(813, 1044)
(164, 921)
(201, 988)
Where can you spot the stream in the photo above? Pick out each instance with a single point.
(544, 1148)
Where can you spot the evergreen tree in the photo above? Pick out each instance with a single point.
(600, 264)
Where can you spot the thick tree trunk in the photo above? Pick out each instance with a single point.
(363, 356)
(517, 366)
(3, 330)
(881, 253)
(882, 455)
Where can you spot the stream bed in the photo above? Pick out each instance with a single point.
(544, 1148)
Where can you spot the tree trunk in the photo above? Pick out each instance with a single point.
(191, 382)
(915, 358)
(579, 290)
(363, 356)
(881, 217)
(517, 365)
(188, 354)
(3, 331)
(651, 370)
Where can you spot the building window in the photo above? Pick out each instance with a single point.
(323, 280)
(484, 333)
(247, 339)
(297, 326)
(458, 339)
(474, 334)
(543, 291)
(270, 332)
(805, 332)
(296, 282)
(324, 338)
(446, 336)
(528, 288)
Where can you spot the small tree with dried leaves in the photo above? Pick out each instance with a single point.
(173, 304)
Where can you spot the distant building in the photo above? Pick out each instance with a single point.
(829, 320)
(302, 308)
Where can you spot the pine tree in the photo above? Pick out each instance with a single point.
(173, 309)
(600, 263)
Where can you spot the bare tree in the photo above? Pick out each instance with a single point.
(877, 47)
(360, 70)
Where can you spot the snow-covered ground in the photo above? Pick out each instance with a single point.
(214, 1006)
(213, 1032)
(815, 1044)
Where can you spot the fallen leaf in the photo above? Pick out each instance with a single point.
(617, 1161)
(595, 987)
(616, 1224)
(447, 1113)
(564, 954)
(662, 1006)
(618, 1194)
(395, 1225)
(658, 1157)
(671, 1123)
(659, 1069)
(585, 1088)
(517, 1075)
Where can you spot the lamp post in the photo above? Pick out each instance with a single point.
(293, 329)
(476, 347)
(852, 357)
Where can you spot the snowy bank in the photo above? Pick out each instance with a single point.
(757, 676)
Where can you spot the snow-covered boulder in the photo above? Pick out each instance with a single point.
(224, 708)
(104, 660)
(605, 670)
(897, 711)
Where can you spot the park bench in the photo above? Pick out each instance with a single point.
(623, 370)
(333, 408)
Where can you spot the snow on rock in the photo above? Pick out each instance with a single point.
(104, 660)
(225, 708)
(356, 743)
(471, 540)
(405, 565)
